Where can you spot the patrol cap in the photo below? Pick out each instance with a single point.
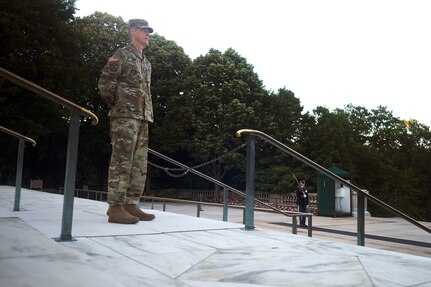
(140, 23)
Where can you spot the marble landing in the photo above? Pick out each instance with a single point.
(179, 250)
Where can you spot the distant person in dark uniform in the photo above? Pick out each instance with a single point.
(302, 201)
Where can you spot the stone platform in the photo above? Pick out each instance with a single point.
(179, 250)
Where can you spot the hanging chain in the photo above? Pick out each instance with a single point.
(184, 171)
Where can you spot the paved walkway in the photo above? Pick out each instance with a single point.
(180, 250)
(393, 234)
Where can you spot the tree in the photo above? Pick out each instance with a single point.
(220, 95)
(274, 168)
(98, 36)
(168, 62)
(331, 140)
(38, 45)
(386, 157)
(405, 147)
(286, 114)
(360, 119)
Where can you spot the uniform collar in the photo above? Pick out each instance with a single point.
(138, 54)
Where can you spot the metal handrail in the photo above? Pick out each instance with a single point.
(45, 93)
(287, 213)
(17, 135)
(72, 145)
(78, 191)
(330, 174)
(293, 214)
(227, 187)
(19, 163)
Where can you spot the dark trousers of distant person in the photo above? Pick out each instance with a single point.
(302, 208)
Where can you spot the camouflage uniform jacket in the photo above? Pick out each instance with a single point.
(125, 85)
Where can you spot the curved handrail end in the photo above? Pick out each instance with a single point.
(239, 132)
(45, 93)
(95, 119)
(18, 135)
(33, 143)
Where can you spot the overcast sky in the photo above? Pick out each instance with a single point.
(328, 52)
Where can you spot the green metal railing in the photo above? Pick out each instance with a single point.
(249, 198)
(102, 195)
(19, 163)
(251, 134)
(72, 145)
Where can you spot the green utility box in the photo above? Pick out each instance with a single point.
(333, 199)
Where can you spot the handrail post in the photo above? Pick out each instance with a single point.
(19, 162)
(69, 182)
(361, 220)
(249, 195)
(18, 180)
(310, 226)
(225, 203)
(294, 225)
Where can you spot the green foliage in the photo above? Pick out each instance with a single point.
(168, 62)
(220, 94)
(331, 140)
(286, 113)
(37, 44)
(99, 36)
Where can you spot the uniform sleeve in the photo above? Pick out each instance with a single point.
(108, 80)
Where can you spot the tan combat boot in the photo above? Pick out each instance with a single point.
(135, 211)
(117, 214)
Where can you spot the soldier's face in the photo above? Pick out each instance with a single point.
(141, 35)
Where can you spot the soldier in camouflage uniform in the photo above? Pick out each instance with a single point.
(125, 86)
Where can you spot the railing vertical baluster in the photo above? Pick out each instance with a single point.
(18, 180)
(249, 195)
(231, 189)
(361, 220)
(19, 161)
(310, 226)
(225, 203)
(69, 182)
(294, 225)
(72, 148)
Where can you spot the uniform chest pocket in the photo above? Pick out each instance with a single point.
(132, 71)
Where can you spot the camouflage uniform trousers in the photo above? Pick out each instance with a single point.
(128, 167)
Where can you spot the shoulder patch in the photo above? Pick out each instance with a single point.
(113, 59)
(113, 67)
